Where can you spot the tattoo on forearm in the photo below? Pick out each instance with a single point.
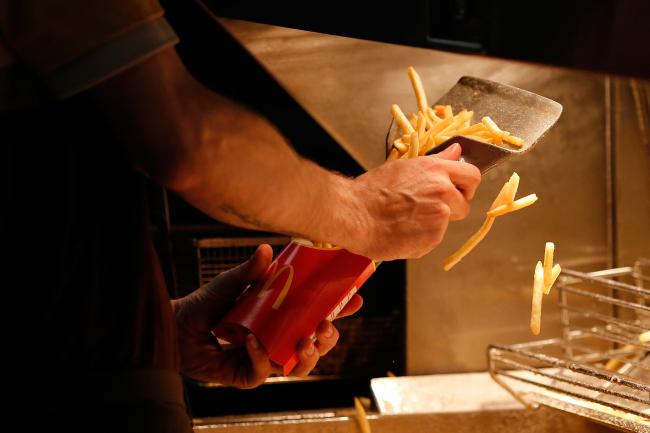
(255, 222)
(225, 208)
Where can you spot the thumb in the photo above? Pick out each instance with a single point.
(205, 307)
(451, 153)
(248, 272)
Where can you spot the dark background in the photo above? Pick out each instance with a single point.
(604, 35)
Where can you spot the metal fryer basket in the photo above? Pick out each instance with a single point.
(598, 368)
(215, 255)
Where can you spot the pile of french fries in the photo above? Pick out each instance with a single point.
(432, 126)
(544, 278)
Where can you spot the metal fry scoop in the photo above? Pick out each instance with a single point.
(522, 113)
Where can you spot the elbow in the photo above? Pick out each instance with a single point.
(171, 163)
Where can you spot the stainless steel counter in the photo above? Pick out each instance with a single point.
(347, 85)
(455, 403)
(521, 421)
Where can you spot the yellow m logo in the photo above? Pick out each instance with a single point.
(274, 276)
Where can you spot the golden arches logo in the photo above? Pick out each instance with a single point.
(274, 276)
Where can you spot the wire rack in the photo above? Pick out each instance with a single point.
(215, 255)
(598, 368)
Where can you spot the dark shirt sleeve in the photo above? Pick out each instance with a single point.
(75, 44)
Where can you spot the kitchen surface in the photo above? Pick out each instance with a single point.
(591, 173)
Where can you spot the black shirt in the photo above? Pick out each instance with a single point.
(82, 285)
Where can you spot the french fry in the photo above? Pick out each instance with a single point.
(549, 249)
(508, 191)
(439, 110)
(432, 116)
(484, 135)
(427, 146)
(478, 127)
(615, 364)
(457, 122)
(415, 145)
(555, 272)
(362, 418)
(538, 293)
(430, 123)
(401, 119)
(441, 125)
(469, 245)
(491, 126)
(420, 96)
(516, 141)
(544, 278)
(513, 206)
(504, 198)
(421, 124)
(439, 139)
(400, 145)
(413, 120)
(393, 155)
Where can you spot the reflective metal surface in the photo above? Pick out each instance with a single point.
(457, 403)
(440, 393)
(599, 367)
(521, 421)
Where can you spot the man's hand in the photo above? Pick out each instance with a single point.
(244, 367)
(410, 203)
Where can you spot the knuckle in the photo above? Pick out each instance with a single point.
(437, 238)
(335, 335)
(442, 210)
(472, 171)
(465, 209)
(476, 174)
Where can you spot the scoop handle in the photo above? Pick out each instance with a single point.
(483, 155)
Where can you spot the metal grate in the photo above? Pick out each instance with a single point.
(598, 368)
(215, 255)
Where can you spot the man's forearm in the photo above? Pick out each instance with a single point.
(224, 159)
(245, 173)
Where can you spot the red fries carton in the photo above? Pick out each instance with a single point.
(303, 286)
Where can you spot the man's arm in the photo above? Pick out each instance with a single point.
(232, 164)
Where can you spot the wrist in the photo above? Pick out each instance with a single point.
(352, 216)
